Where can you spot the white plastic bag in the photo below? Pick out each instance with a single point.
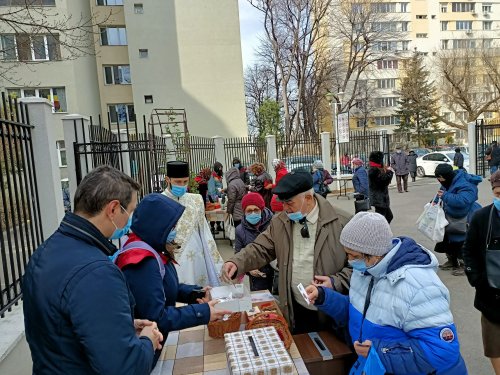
(432, 222)
(229, 228)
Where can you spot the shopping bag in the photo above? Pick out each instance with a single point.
(371, 365)
(432, 222)
(229, 228)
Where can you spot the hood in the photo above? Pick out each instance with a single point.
(267, 216)
(472, 178)
(462, 178)
(232, 174)
(155, 216)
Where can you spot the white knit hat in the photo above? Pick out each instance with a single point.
(367, 233)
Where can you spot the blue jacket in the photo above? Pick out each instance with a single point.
(213, 186)
(360, 181)
(155, 297)
(78, 309)
(408, 320)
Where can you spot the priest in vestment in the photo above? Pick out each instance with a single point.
(199, 261)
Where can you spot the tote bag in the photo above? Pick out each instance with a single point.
(432, 222)
(229, 228)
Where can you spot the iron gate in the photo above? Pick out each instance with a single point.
(485, 134)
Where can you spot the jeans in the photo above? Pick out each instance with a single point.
(493, 169)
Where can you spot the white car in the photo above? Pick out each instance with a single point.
(426, 165)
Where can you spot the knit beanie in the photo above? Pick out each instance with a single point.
(445, 171)
(253, 199)
(368, 233)
(318, 164)
(357, 161)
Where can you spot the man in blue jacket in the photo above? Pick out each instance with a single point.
(77, 307)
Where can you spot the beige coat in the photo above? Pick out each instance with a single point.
(276, 241)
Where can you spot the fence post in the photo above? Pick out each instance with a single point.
(125, 152)
(325, 150)
(471, 135)
(76, 129)
(383, 145)
(47, 171)
(271, 154)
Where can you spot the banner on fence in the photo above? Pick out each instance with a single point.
(343, 127)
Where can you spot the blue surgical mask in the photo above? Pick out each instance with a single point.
(253, 218)
(171, 236)
(496, 202)
(237, 165)
(120, 232)
(358, 265)
(295, 216)
(178, 191)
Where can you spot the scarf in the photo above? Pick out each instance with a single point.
(373, 164)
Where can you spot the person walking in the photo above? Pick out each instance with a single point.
(492, 155)
(257, 219)
(458, 192)
(379, 177)
(262, 183)
(400, 164)
(78, 310)
(304, 238)
(321, 179)
(458, 159)
(397, 308)
(412, 165)
(481, 249)
(280, 170)
(215, 190)
(235, 191)
(360, 178)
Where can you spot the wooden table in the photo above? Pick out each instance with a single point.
(193, 352)
(217, 215)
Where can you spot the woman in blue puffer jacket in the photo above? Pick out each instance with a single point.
(397, 309)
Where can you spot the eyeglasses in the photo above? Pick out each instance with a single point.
(304, 231)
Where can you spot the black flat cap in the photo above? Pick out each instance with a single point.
(177, 169)
(292, 184)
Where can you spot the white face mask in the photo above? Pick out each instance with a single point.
(398, 151)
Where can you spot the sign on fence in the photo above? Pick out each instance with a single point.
(343, 127)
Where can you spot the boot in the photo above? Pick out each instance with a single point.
(450, 264)
(459, 270)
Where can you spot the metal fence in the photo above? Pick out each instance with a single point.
(249, 150)
(485, 134)
(20, 218)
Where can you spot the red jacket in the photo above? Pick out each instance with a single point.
(275, 205)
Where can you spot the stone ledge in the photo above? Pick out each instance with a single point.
(12, 328)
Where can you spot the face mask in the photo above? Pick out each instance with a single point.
(297, 216)
(398, 151)
(120, 232)
(496, 202)
(178, 191)
(171, 236)
(253, 218)
(358, 265)
(236, 165)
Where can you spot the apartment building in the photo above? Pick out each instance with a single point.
(428, 26)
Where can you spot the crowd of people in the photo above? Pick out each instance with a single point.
(380, 293)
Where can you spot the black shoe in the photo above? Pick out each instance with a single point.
(219, 229)
(214, 231)
(448, 265)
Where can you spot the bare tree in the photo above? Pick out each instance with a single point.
(470, 83)
(364, 104)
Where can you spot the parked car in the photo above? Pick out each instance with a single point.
(300, 163)
(421, 151)
(426, 165)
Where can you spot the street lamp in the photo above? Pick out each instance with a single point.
(336, 103)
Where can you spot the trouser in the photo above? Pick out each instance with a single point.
(453, 250)
(405, 182)
(385, 212)
(413, 176)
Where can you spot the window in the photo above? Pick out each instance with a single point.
(488, 115)
(148, 99)
(109, 2)
(113, 36)
(462, 7)
(385, 46)
(444, 7)
(117, 75)
(447, 116)
(421, 16)
(24, 47)
(487, 43)
(387, 120)
(61, 153)
(143, 53)
(121, 113)
(464, 25)
(387, 64)
(405, 45)
(486, 8)
(387, 83)
(487, 25)
(463, 43)
(444, 44)
(386, 102)
(138, 9)
(421, 35)
(384, 26)
(404, 26)
(31, 2)
(404, 7)
(55, 95)
(444, 25)
(384, 8)
(461, 115)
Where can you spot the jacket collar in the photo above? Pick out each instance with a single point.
(78, 227)
(326, 215)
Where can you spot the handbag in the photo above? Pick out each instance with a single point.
(456, 226)
(229, 228)
(362, 204)
(492, 257)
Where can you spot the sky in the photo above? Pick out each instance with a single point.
(250, 29)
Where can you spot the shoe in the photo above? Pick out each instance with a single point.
(406, 191)
(214, 231)
(448, 265)
(459, 271)
(219, 229)
(400, 191)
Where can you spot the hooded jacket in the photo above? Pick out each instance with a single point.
(155, 297)
(360, 181)
(78, 311)
(236, 189)
(416, 334)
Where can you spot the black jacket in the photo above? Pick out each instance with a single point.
(494, 152)
(379, 182)
(487, 298)
(458, 160)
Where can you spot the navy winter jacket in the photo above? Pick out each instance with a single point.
(360, 181)
(78, 309)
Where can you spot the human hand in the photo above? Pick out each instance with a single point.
(257, 273)
(312, 293)
(139, 324)
(322, 281)
(153, 333)
(363, 348)
(229, 269)
(440, 193)
(216, 314)
(207, 295)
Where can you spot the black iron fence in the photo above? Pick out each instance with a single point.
(485, 134)
(249, 150)
(20, 218)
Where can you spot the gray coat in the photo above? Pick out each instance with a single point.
(236, 189)
(400, 164)
(458, 160)
(412, 162)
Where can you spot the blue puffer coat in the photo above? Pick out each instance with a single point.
(360, 181)
(78, 309)
(408, 320)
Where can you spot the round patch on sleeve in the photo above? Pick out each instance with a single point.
(446, 334)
